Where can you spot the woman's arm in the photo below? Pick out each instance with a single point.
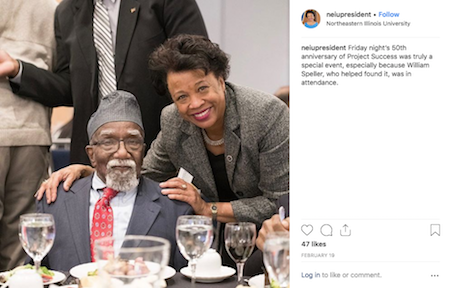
(273, 156)
(67, 174)
(157, 164)
(177, 189)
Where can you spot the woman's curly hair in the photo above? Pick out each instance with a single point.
(183, 53)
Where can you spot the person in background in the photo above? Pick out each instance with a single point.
(116, 150)
(103, 45)
(254, 264)
(26, 29)
(64, 132)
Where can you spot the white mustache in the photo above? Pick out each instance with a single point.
(121, 162)
(121, 180)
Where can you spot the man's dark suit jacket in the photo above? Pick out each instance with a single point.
(143, 25)
(153, 214)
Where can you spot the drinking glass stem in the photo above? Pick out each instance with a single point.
(240, 269)
(37, 264)
(193, 267)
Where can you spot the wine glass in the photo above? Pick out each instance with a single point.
(276, 257)
(240, 238)
(36, 233)
(139, 262)
(194, 237)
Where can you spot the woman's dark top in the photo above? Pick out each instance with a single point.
(220, 177)
(217, 163)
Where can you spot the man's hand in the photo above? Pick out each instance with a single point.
(68, 174)
(9, 67)
(271, 225)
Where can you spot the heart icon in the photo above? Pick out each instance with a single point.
(307, 229)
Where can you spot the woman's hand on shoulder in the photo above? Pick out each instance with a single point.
(68, 174)
(178, 189)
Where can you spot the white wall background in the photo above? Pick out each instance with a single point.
(255, 33)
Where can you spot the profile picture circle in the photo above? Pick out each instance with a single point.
(311, 18)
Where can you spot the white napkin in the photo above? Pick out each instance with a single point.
(186, 176)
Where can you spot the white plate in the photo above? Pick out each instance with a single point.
(225, 272)
(257, 281)
(58, 277)
(82, 270)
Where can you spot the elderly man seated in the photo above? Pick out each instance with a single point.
(116, 200)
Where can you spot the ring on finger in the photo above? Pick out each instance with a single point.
(45, 181)
(183, 186)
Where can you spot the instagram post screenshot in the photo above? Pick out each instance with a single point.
(370, 144)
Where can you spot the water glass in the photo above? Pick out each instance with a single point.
(240, 239)
(138, 263)
(194, 237)
(37, 233)
(276, 258)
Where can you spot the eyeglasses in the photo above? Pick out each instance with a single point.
(111, 145)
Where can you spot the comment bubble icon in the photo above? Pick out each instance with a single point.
(326, 230)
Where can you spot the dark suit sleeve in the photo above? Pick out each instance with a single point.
(178, 260)
(253, 266)
(47, 88)
(182, 17)
(40, 206)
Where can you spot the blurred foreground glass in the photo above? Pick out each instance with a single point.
(37, 233)
(240, 238)
(276, 258)
(139, 262)
(194, 237)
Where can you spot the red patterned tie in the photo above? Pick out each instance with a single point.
(103, 219)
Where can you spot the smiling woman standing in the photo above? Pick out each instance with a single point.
(234, 140)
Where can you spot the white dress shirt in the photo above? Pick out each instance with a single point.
(122, 206)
